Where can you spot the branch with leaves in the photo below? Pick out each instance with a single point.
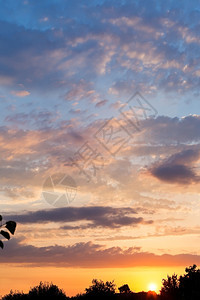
(8, 227)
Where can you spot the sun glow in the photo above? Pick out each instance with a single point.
(152, 287)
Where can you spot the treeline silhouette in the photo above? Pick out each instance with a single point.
(184, 287)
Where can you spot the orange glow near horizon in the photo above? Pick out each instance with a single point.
(75, 280)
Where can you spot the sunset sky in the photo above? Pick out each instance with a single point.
(104, 94)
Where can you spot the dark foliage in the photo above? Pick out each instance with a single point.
(9, 227)
(15, 296)
(170, 288)
(186, 287)
(44, 291)
(189, 284)
(124, 289)
(100, 290)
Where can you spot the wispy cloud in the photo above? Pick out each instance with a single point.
(21, 93)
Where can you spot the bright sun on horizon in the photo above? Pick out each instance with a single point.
(152, 287)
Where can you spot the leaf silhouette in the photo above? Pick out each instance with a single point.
(0, 218)
(11, 226)
(1, 244)
(5, 234)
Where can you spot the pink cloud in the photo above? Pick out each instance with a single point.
(21, 93)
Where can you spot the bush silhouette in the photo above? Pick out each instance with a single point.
(15, 296)
(124, 289)
(46, 291)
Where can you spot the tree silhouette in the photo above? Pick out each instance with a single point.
(46, 291)
(190, 283)
(124, 289)
(186, 287)
(8, 227)
(99, 289)
(170, 289)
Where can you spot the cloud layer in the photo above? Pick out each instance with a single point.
(89, 255)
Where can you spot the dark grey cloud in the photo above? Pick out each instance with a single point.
(186, 157)
(178, 168)
(96, 216)
(101, 103)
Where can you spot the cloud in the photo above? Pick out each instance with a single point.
(165, 231)
(178, 168)
(42, 119)
(174, 174)
(95, 216)
(54, 145)
(89, 255)
(79, 91)
(21, 93)
(142, 42)
(172, 131)
(101, 103)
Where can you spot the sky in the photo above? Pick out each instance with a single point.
(99, 141)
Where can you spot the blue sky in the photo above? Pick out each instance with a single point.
(53, 48)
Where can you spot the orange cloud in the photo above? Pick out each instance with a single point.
(21, 93)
